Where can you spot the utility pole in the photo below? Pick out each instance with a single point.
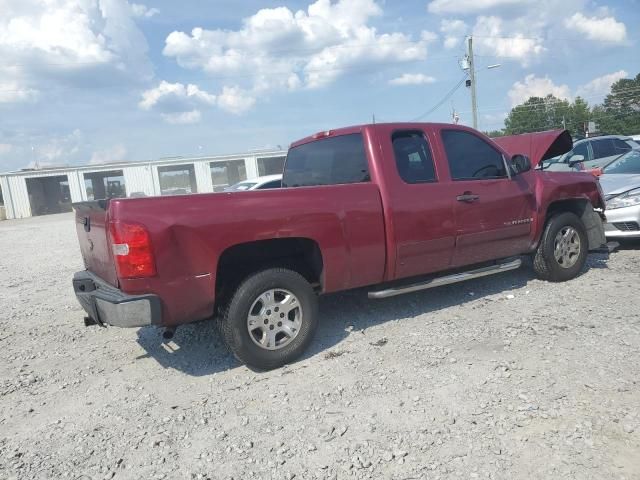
(472, 77)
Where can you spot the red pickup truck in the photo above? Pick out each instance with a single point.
(394, 207)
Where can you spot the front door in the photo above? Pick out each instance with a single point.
(493, 212)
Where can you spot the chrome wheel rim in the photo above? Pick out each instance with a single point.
(274, 319)
(566, 247)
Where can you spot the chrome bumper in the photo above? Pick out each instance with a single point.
(107, 305)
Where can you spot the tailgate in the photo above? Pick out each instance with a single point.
(92, 230)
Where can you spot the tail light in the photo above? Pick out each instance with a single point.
(132, 251)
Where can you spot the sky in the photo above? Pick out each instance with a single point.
(97, 81)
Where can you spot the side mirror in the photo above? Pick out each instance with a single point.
(521, 163)
(575, 159)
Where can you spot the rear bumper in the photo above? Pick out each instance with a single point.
(109, 306)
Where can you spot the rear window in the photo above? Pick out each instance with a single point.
(603, 148)
(621, 146)
(330, 161)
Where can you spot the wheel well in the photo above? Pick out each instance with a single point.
(302, 255)
(575, 206)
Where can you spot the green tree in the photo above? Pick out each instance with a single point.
(577, 116)
(620, 111)
(548, 113)
(494, 133)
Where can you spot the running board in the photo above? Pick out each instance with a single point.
(448, 279)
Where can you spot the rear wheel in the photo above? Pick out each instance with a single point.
(271, 318)
(563, 248)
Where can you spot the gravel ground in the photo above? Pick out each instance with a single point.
(502, 377)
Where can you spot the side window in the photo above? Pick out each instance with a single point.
(330, 161)
(620, 146)
(471, 158)
(602, 148)
(580, 149)
(413, 157)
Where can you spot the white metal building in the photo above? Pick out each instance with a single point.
(44, 191)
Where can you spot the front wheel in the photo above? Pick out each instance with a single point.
(563, 248)
(271, 318)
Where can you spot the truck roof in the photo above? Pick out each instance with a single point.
(359, 128)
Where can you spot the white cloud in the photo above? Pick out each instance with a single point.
(174, 96)
(601, 29)
(467, 7)
(533, 86)
(182, 118)
(453, 31)
(180, 104)
(142, 11)
(279, 49)
(490, 37)
(412, 79)
(235, 100)
(5, 148)
(45, 42)
(57, 149)
(116, 153)
(599, 87)
(14, 92)
(176, 102)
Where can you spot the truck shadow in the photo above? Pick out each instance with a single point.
(198, 349)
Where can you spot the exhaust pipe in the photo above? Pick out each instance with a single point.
(168, 333)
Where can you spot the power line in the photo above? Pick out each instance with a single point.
(442, 101)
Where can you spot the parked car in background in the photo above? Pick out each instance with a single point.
(260, 183)
(591, 153)
(620, 181)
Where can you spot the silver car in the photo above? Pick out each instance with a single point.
(620, 181)
(590, 153)
(260, 183)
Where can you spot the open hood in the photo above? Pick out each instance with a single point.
(537, 146)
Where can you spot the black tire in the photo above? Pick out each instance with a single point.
(234, 322)
(545, 264)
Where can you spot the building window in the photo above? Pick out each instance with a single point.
(270, 165)
(228, 173)
(100, 185)
(49, 195)
(177, 180)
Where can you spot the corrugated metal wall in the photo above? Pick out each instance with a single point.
(139, 178)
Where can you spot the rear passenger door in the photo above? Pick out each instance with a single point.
(420, 208)
(493, 212)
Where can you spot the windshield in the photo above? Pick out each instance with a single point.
(628, 163)
(240, 186)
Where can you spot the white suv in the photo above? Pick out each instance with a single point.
(592, 153)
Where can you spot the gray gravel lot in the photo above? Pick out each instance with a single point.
(505, 377)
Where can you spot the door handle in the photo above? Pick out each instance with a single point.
(468, 197)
